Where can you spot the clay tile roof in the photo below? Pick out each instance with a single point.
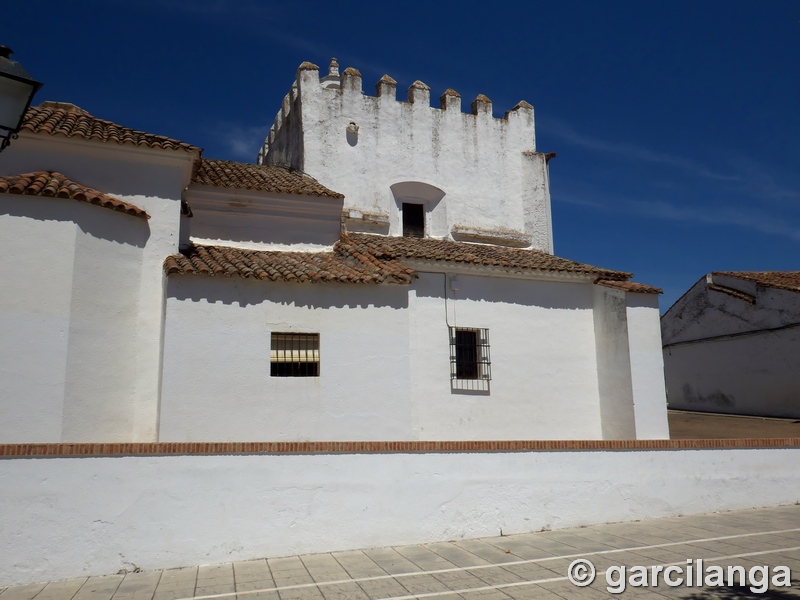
(510, 259)
(630, 286)
(784, 280)
(280, 180)
(347, 263)
(55, 185)
(69, 120)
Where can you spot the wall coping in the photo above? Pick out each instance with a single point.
(62, 450)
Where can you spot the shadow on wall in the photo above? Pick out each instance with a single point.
(247, 292)
(544, 294)
(99, 222)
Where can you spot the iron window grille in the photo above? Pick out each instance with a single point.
(294, 355)
(469, 354)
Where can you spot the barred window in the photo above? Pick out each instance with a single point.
(294, 355)
(469, 354)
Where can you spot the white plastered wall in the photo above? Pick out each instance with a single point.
(544, 371)
(269, 221)
(750, 375)
(647, 367)
(385, 370)
(488, 168)
(724, 354)
(217, 383)
(153, 180)
(75, 517)
(613, 364)
(71, 281)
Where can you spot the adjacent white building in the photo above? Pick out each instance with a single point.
(406, 291)
(731, 344)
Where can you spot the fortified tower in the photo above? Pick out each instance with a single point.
(407, 168)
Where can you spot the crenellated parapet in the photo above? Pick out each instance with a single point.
(487, 167)
(349, 86)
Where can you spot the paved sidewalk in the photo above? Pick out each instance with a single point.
(531, 565)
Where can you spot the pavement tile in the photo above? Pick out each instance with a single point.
(481, 568)
(138, 586)
(391, 561)
(357, 564)
(422, 584)
(456, 555)
(22, 592)
(62, 590)
(488, 552)
(251, 570)
(425, 559)
(343, 591)
(519, 548)
(324, 567)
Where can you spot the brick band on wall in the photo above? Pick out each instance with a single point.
(209, 448)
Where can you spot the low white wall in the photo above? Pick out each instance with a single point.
(64, 517)
(755, 374)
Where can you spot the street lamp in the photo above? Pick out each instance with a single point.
(16, 92)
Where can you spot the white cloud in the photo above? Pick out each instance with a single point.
(749, 218)
(635, 153)
(243, 142)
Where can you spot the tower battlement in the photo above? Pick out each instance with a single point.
(471, 170)
(348, 88)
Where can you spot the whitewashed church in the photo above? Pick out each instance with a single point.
(385, 272)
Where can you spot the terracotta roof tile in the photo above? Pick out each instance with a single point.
(55, 185)
(630, 286)
(784, 280)
(347, 263)
(69, 120)
(511, 259)
(280, 180)
(364, 258)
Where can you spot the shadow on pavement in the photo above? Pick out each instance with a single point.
(743, 592)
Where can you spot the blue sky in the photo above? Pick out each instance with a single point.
(676, 124)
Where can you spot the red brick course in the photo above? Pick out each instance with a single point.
(205, 448)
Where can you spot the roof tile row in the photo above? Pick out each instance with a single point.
(630, 286)
(52, 184)
(784, 280)
(69, 120)
(345, 264)
(275, 179)
(509, 259)
(364, 258)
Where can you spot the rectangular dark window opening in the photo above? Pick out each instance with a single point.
(294, 355)
(413, 220)
(469, 354)
(466, 354)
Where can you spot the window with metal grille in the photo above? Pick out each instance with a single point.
(413, 220)
(294, 355)
(469, 354)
